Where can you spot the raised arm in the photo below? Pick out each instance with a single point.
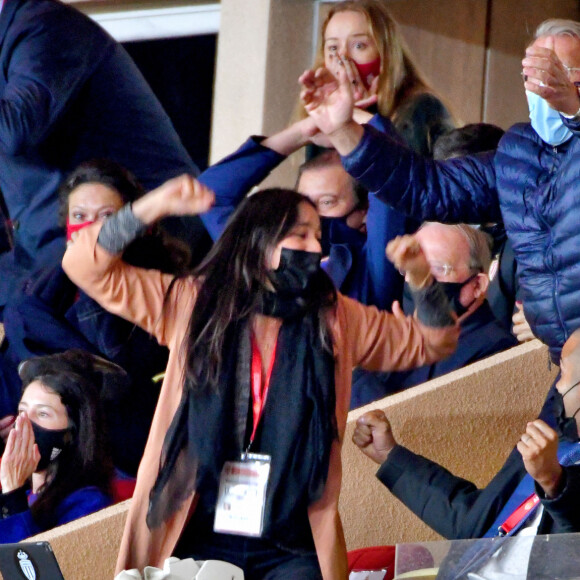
(459, 190)
(451, 505)
(381, 341)
(93, 261)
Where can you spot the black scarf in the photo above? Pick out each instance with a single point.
(297, 428)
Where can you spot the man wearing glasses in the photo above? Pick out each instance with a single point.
(459, 257)
(531, 183)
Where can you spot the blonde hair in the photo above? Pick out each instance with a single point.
(400, 77)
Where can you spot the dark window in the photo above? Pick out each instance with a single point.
(181, 74)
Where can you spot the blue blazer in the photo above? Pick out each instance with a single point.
(68, 93)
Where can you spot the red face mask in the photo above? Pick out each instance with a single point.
(72, 228)
(369, 71)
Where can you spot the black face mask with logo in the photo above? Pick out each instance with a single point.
(50, 443)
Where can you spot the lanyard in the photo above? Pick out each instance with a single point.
(519, 516)
(568, 454)
(259, 393)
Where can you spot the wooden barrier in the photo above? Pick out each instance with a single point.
(468, 420)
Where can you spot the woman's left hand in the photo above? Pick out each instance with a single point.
(21, 455)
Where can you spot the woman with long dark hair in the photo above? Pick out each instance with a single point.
(243, 458)
(57, 445)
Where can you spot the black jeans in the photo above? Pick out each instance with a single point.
(258, 558)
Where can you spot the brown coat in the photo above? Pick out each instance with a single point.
(363, 336)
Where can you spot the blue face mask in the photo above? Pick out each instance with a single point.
(546, 121)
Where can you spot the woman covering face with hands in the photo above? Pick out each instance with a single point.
(55, 467)
(361, 38)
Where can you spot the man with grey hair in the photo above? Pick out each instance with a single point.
(459, 256)
(531, 182)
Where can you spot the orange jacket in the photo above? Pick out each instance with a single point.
(362, 336)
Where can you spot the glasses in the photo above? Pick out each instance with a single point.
(444, 270)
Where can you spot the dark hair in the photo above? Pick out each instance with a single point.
(329, 158)
(467, 140)
(103, 172)
(157, 249)
(77, 378)
(235, 275)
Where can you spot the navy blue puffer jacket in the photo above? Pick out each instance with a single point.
(533, 186)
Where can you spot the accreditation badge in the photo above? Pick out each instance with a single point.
(242, 496)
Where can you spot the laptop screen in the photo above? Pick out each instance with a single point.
(29, 561)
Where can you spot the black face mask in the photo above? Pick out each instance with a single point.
(50, 443)
(295, 272)
(452, 291)
(566, 427)
(292, 282)
(335, 230)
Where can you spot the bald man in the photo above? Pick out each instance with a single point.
(543, 463)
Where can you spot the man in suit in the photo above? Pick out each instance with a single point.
(543, 462)
(68, 93)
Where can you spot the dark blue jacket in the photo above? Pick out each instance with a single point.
(20, 524)
(481, 335)
(457, 509)
(532, 186)
(68, 93)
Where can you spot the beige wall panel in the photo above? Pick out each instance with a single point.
(447, 39)
(87, 549)
(512, 26)
(468, 421)
(240, 84)
(289, 54)
(263, 47)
